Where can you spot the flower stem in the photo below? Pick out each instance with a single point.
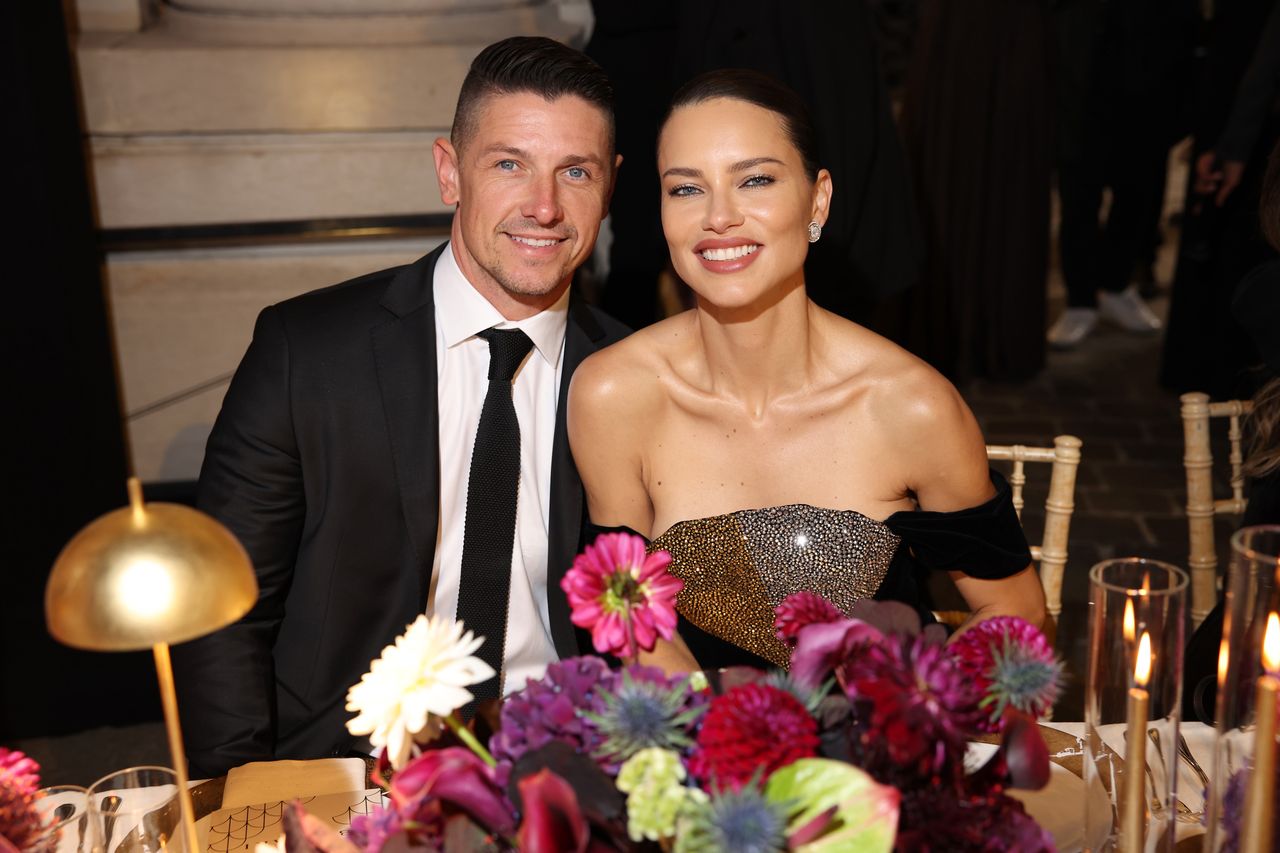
(464, 734)
(633, 650)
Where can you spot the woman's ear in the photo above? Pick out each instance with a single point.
(822, 190)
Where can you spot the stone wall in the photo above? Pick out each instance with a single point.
(215, 123)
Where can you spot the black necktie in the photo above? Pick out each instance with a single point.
(490, 527)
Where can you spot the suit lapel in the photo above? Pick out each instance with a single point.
(582, 336)
(405, 355)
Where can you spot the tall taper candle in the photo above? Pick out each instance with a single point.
(1133, 815)
(1258, 819)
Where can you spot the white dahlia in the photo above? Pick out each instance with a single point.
(417, 681)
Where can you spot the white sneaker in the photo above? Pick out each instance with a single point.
(1072, 327)
(1127, 310)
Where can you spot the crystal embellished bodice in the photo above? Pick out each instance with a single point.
(738, 567)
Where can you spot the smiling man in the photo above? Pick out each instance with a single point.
(396, 444)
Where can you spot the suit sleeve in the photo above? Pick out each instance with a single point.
(251, 482)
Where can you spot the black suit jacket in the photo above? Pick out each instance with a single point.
(324, 462)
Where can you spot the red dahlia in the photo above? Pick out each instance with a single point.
(752, 729)
(799, 610)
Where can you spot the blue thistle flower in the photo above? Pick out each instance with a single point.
(810, 698)
(645, 709)
(1021, 677)
(742, 821)
(1012, 664)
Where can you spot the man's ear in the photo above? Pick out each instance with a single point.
(446, 158)
(613, 184)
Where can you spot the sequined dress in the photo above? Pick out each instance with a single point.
(738, 567)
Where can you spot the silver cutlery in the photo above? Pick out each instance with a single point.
(1184, 751)
(1184, 811)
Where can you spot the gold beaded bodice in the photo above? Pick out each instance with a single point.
(738, 567)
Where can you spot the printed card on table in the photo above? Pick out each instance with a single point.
(243, 828)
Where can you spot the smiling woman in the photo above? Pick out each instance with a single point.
(769, 445)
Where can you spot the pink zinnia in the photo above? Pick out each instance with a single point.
(799, 610)
(623, 596)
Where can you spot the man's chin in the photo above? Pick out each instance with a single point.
(525, 290)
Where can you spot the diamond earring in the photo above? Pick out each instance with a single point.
(815, 231)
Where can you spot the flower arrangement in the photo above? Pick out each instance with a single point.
(859, 747)
(21, 827)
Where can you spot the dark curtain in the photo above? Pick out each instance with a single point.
(976, 121)
(65, 454)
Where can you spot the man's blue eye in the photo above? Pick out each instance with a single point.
(576, 172)
(507, 165)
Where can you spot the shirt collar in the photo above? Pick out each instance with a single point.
(463, 313)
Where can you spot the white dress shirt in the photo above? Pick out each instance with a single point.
(462, 369)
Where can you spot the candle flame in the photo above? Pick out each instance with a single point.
(1129, 630)
(1224, 660)
(1271, 644)
(1142, 666)
(1146, 583)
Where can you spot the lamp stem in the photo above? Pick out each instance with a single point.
(134, 486)
(169, 699)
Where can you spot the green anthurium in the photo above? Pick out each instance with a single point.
(833, 806)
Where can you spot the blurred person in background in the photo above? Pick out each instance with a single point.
(1122, 68)
(1256, 308)
(1236, 124)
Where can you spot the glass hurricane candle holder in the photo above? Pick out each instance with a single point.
(1253, 591)
(1133, 694)
(136, 811)
(65, 811)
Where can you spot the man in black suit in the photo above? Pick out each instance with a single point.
(347, 441)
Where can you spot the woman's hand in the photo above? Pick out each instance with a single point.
(671, 656)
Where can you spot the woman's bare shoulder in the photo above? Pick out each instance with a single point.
(628, 375)
(901, 391)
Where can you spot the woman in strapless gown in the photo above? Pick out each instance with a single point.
(769, 445)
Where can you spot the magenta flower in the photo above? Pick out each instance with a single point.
(553, 820)
(455, 777)
(623, 596)
(916, 703)
(799, 610)
(1012, 665)
(823, 648)
(20, 823)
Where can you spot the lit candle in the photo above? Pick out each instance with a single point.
(1133, 808)
(1262, 781)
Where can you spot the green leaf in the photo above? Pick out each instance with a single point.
(865, 817)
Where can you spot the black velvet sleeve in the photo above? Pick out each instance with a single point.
(594, 531)
(984, 541)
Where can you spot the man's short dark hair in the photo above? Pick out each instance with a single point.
(531, 64)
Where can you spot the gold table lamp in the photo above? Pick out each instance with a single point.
(143, 577)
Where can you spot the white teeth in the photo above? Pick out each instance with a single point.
(729, 254)
(529, 241)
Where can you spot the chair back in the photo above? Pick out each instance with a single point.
(1051, 553)
(1202, 507)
